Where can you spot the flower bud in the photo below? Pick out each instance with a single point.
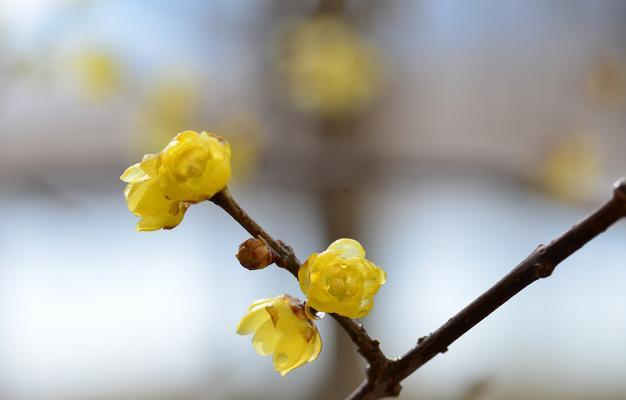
(255, 254)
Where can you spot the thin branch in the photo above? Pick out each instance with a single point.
(539, 264)
(369, 348)
(226, 201)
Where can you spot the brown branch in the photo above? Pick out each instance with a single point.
(384, 375)
(539, 264)
(369, 348)
(225, 201)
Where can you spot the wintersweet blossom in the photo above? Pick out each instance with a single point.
(192, 167)
(328, 67)
(282, 328)
(341, 280)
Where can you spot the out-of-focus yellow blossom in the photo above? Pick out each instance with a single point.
(146, 199)
(281, 328)
(571, 167)
(99, 73)
(192, 167)
(341, 280)
(245, 133)
(329, 69)
(169, 104)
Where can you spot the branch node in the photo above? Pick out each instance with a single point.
(543, 270)
(394, 389)
(541, 249)
(287, 248)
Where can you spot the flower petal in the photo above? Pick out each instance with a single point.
(288, 352)
(133, 173)
(252, 321)
(349, 248)
(265, 339)
(317, 348)
(149, 165)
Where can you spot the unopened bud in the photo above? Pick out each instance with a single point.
(255, 254)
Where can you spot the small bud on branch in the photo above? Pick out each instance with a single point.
(255, 254)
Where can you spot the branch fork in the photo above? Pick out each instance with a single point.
(383, 375)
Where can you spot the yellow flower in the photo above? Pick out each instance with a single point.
(341, 280)
(146, 198)
(281, 327)
(571, 167)
(100, 74)
(329, 69)
(194, 166)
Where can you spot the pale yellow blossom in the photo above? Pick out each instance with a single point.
(282, 329)
(341, 280)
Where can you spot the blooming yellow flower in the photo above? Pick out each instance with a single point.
(192, 168)
(281, 328)
(341, 280)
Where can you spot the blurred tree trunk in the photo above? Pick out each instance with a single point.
(339, 202)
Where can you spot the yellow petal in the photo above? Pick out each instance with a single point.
(135, 193)
(382, 276)
(149, 199)
(348, 248)
(161, 221)
(313, 348)
(316, 347)
(132, 173)
(288, 352)
(265, 338)
(252, 321)
(186, 136)
(148, 224)
(260, 303)
(149, 165)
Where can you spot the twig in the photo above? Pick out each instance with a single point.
(539, 264)
(369, 348)
(225, 201)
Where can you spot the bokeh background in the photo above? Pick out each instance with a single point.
(449, 137)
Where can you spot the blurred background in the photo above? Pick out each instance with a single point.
(449, 137)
